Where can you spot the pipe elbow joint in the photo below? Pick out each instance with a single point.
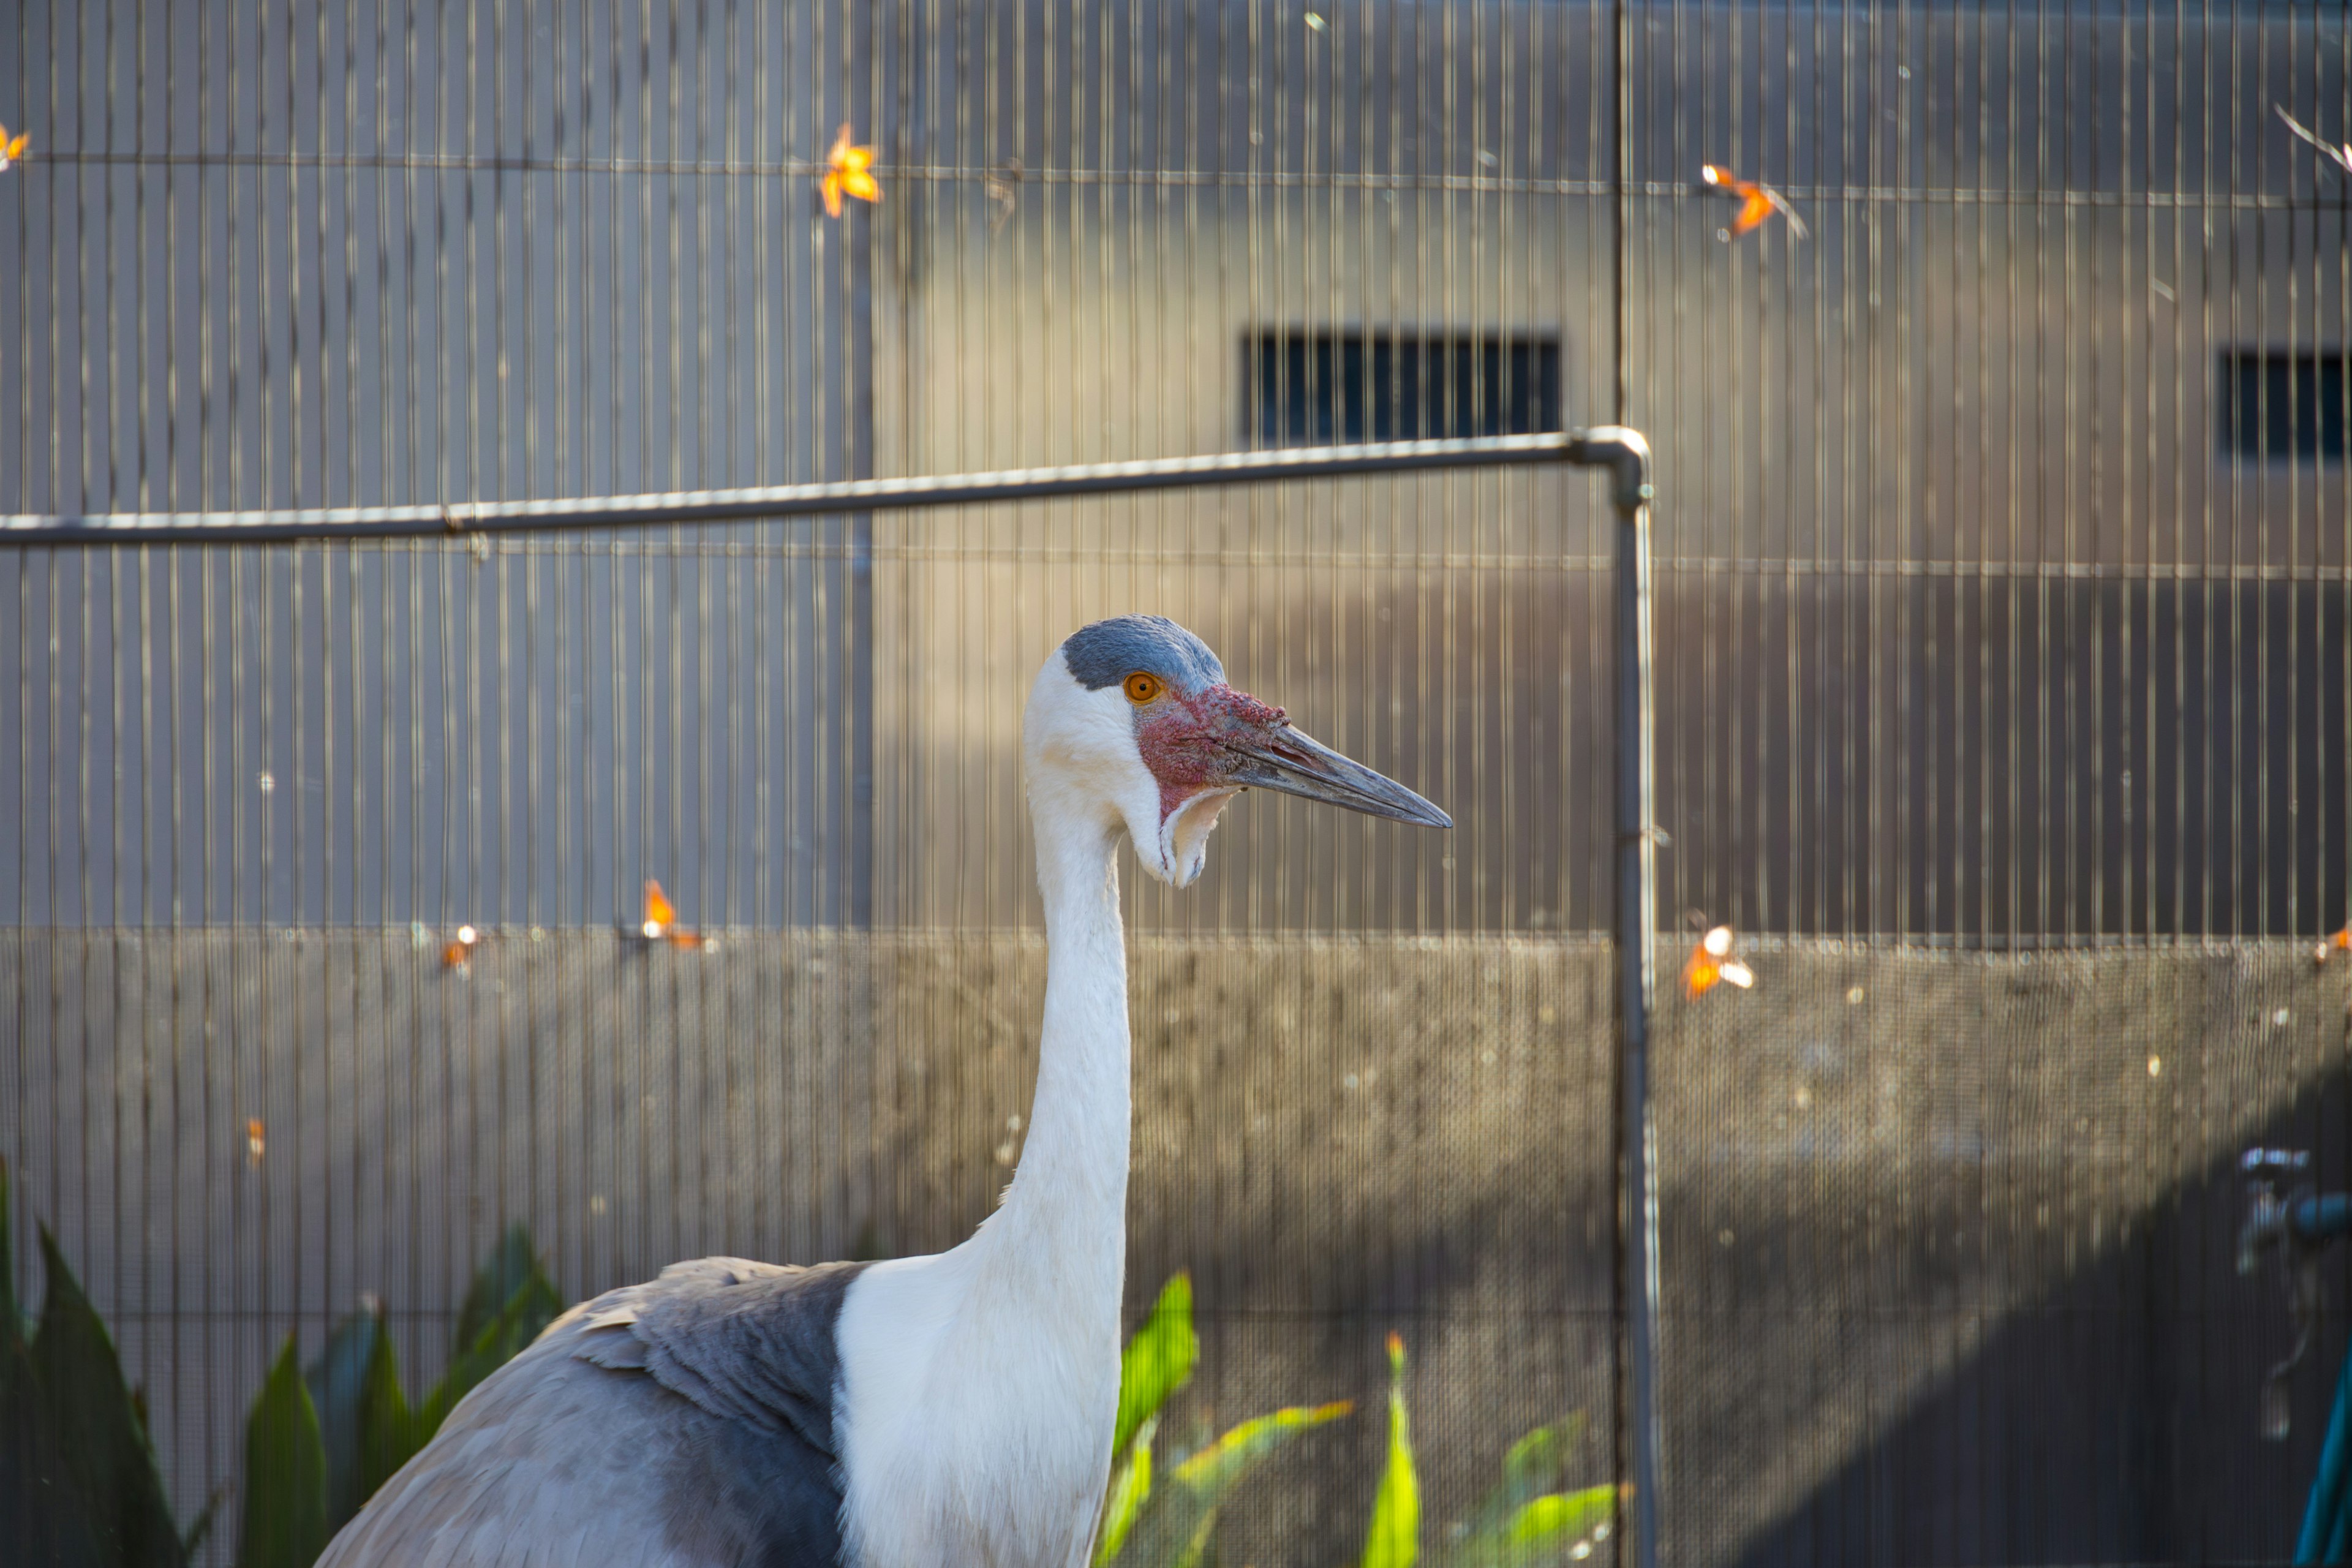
(1625, 453)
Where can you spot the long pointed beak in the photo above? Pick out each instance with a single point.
(1295, 762)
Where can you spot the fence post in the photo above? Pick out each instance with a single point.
(1628, 456)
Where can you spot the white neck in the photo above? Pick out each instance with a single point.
(979, 1386)
(1061, 1235)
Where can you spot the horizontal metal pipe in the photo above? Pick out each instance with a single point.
(1622, 451)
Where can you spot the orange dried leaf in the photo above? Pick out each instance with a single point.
(459, 952)
(12, 148)
(1700, 975)
(1711, 962)
(659, 912)
(1757, 202)
(253, 1140)
(848, 171)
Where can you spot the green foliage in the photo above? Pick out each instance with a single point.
(285, 1523)
(510, 1274)
(12, 1316)
(1394, 1538)
(1151, 1520)
(365, 1425)
(79, 1486)
(1528, 1519)
(1161, 1515)
(512, 1300)
(356, 1426)
(1546, 1530)
(1131, 1488)
(1158, 1361)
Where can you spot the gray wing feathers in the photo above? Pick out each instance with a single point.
(747, 1341)
(543, 1464)
(683, 1423)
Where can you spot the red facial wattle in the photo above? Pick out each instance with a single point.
(1188, 739)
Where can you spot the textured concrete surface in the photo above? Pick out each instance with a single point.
(1880, 1167)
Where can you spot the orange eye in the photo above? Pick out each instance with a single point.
(1143, 687)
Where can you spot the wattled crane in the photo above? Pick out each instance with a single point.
(948, 1410)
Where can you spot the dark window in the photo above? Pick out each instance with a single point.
(2281, 405)
(1326, 388)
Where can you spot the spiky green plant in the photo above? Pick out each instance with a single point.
(320, 1443)
(1394, 1538)
(1152, 1520)
(79, 1483)
(1528, 1519)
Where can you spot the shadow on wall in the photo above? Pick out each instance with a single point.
(2116, 1418)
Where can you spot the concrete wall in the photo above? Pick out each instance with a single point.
(1947, 1237)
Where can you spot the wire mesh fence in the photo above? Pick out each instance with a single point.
(2005, 700)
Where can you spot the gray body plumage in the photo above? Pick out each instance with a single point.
(687, 1421)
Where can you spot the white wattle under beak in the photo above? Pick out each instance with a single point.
(1184, 836)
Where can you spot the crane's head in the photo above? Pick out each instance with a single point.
(1131, 723)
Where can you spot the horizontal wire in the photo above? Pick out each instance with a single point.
(1183, 179)
(953, 936)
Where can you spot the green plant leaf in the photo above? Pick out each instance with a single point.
(79, 1486)
(285, 1519)
(1158, 1361)
(50, 1520)
(389, 1435)
(1130, 1488)
(1560, 1520)
(48, 1515)
(1214, 1470)
(338, 1385)
(1394, 1538)
(364, 1423)
(1173, 1528)
(1543, 1532)
(530, 1308)
(12, 1316)
(93, 1455)
(510, 1266)
(1537, 1464)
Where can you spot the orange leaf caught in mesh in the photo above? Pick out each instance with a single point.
(252, 1140)
(1757, 202)
(848, 172)
(660, 914)
(1711, 961)
(661, 923)
(12, 148)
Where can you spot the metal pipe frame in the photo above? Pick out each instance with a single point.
(1607, 447)
(1622, 451)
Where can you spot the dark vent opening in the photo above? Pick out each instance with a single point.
(1304, 388)
(2283, 406)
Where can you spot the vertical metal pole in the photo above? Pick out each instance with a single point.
(1637, 925)
(1637, 884)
